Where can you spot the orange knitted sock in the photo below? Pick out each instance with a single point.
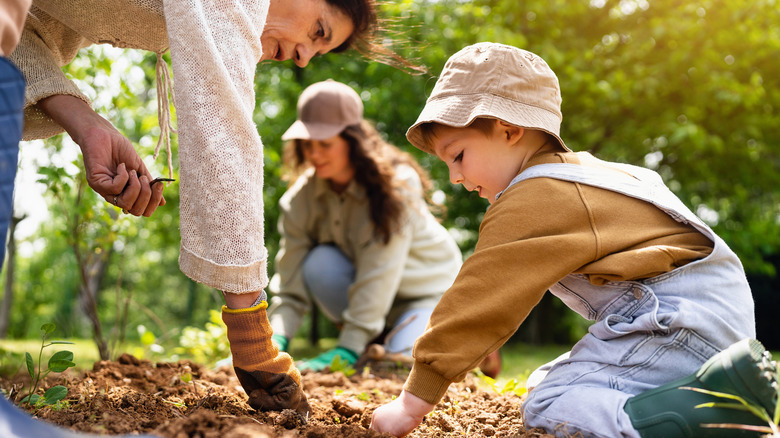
(269, 377)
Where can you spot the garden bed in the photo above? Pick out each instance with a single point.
(184, 399)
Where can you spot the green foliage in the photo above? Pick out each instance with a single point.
(150, 346)
(690, 89)
(205, 346)
(58, 362)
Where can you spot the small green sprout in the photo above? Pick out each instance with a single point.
(59, 362)
(772, 427)
(179, 404)
(339, 364)
(512, 386)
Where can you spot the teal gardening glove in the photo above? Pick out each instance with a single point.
(281, 341)
(324, 360)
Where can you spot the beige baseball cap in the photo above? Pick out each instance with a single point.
(324, 110)
(496, 81)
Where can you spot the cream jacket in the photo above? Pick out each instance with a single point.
(215, 48)
(412, 270)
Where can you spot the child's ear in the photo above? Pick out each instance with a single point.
(509, 132)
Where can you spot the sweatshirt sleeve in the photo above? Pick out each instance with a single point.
(535, 234)
(215, 47)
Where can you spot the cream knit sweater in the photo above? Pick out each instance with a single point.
(215, 47)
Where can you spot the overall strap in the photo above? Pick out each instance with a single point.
(634, 181)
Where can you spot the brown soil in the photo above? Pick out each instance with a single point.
(132, 396)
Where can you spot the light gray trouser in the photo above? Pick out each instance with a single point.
(328, 274)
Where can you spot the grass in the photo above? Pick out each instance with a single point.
(518, 359)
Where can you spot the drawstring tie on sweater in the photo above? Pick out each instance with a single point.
(164, 88)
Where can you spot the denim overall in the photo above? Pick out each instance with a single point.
(645, 333)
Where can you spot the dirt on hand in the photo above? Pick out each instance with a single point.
(184, 399)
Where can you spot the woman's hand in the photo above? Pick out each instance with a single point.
(114, 169)
(400, 416)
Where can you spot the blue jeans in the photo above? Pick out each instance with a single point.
(333, 273)
(11, 122)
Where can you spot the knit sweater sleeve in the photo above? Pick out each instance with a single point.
(45, 46)
(535, 234)
(215, 47)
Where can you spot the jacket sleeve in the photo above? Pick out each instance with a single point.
(290, 299)
(537, 233)
(215, 47)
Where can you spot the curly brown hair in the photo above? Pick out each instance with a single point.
(375, 162)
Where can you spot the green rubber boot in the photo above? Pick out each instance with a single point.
(745, 369)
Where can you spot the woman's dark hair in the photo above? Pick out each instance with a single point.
(374, 161)
(368, 25)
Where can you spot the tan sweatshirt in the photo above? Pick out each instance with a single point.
(538, 232)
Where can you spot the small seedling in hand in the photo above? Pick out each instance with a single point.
(59, 362)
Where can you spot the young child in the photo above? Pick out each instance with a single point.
(667, 297)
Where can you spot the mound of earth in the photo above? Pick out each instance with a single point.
(184, 399)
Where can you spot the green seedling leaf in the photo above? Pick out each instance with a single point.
(30, 364)
(48, 328)
(54, 394)
(61, 342)
(31, 399)
(61, 361)
(186, 377)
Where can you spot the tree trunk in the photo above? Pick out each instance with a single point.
(93, 271)
(8, 295)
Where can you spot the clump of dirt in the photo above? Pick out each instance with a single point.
(184, 399)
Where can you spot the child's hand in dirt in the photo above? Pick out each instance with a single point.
(400, 416)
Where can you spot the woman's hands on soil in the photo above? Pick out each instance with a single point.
(400, 416)
(114, 169)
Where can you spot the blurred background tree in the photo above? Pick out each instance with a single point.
(689, 89)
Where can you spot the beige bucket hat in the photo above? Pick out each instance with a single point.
(324, 110)
(496, 81)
